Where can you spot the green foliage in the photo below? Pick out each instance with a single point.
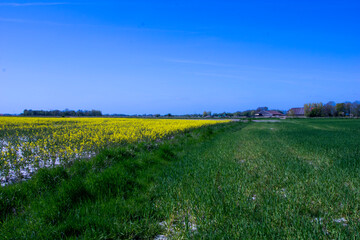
(331, 109)
(206, 114)
(340, 109)
(48, 179)
(314, 110)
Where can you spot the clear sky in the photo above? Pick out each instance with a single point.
(177, 57)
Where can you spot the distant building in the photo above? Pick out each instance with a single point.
(270, 113)
(296, 112)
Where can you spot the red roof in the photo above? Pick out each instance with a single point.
(275, 112)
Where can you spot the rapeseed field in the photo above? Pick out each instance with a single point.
(28, 144)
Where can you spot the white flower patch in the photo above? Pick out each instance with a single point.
(317, 220)
(174, 229)
(341, 220)
(160, 237)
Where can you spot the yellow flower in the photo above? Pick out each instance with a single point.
(45, 139)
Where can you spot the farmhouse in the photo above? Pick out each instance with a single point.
(296, 111)
(270, 113)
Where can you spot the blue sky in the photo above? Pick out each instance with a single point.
(177, 57)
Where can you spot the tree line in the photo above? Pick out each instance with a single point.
(64, 113)
(332, 109)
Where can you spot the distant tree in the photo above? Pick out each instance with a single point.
(248, 113)
(206, 113)
(329, 109)
(314, 109)
(307, 109)
(317, 110)
(79, 112)
(96, 113)
(355, 109)
(340, 109)
(237, 114)
(25, 113)
(291, 113)
(347, 110)
(259, 109)
(56, 113)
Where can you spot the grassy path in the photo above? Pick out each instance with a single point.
(267, 180)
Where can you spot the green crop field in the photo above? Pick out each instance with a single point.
(293, 179)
